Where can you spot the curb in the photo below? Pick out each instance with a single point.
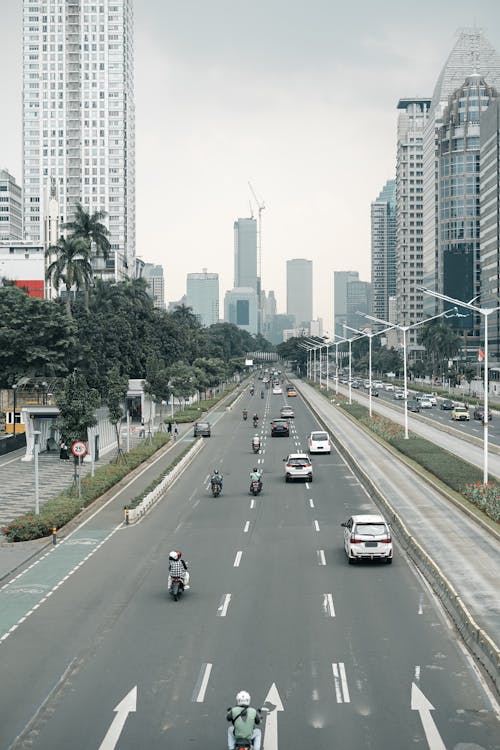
(478, 641)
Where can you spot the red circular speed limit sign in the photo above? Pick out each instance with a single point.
(79, 449)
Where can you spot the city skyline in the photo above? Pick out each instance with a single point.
(307, 149)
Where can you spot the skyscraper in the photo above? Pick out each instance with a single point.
(383, 240)
(202, 295)
(11, 214)
(341, 281)
(78, 117)
(240, 308)
(409, 213)
(153, 274)
(490, 222)
(472, 53)
(299, 291)
(245, 253)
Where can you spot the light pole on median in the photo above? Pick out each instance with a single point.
(349, 341)
(369, 335)
(485, 312)
(36, 450)
(405, 330)
(336, 344)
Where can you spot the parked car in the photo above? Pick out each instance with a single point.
(280, 428)
(367, 537)
(479, 413)
(298, 466)
(446, 404)
(460, 414)
(287, 412)
(202, 428)
(319, 442)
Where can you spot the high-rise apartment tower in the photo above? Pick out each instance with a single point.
(202, 295)
(11, 214)
(78, 117)
(383, 229)
(299, 291)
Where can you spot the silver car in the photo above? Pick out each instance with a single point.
(367, 537)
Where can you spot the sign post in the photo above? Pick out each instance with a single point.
(79, 450)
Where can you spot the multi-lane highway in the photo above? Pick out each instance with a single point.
(341, 656)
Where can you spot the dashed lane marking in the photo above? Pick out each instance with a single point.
(237, 559)
(224, 604)
(340, 682)
(328, 607)
(202, 683)
(321, 557)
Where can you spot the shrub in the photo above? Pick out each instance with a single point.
(484, 496)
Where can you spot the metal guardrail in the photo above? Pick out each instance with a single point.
(477, 640)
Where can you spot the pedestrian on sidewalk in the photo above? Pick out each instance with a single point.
(169, 428)
(176, 431)
(63, 451)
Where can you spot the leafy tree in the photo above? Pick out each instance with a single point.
(116, 392)
(293, 350)
(37, 339)
(72, 267)
(182, 380)
(77, 403)
(90, 228)
(215, 370)
(441, 343)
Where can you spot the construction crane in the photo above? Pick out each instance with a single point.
(260, 206)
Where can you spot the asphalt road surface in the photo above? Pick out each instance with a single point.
(356, 656)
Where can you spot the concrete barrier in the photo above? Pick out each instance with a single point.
(152, 497)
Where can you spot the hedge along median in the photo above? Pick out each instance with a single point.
(457, 474)
(193, 412)
(61, 509)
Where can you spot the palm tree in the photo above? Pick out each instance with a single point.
(71, 267)
(89, 227)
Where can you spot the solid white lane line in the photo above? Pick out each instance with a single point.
(252, 503)
(247, 526)
(321, 557)
(311, 502)
(316, 525)
(340, 681)
(203, 682)
(237, 559)
(224, 604)
(328, 607)
(421, 604)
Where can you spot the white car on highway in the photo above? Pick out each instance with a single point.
(319, 442)
(367, 537)
(277, 390)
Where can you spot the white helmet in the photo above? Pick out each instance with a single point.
(243, 698)
(173, 555)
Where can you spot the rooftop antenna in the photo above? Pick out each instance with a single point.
(260, 206)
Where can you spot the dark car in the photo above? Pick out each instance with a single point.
(413, 406)
(280, 428)
(479, 413)
(202, 428)
(375, 392)
(446, 404)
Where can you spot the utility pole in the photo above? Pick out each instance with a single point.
(261, 206)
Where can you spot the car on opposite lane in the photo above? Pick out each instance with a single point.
(460, 414)
(319, 442)
(298, 466)
(367, 537)
(479, 413)
(425, 403)
(280, 428)
(446, 404)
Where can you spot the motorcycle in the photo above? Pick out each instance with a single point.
(245, 415)
(241, 744)
(176, 588)
(262, 394)
(256, 447)
(252, 391)
(255, 487)
(255, 422)
(216, 489)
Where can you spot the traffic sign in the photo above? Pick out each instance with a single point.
(79, 449)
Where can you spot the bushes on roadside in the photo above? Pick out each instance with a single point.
(61, 509)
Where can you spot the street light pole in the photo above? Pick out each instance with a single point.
(36, 449)
(486, 312)
(14, 388)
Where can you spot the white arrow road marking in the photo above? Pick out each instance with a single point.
(275, 705)
(199, 695)
(340, 680)
(321, 557)
(237, 559)
(224, 604)
(328, 607)
(126, 706)
(420, 703)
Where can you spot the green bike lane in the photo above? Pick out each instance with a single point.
(24, 593)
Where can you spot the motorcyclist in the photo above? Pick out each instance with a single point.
(262, 394)
(244, 720)
(216, 478)
(256, 476)
(177, 568)
(256, 443)
(245, 414)
(255, 419)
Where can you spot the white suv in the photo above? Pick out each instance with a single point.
(319, 442)
(367, 537)
(298, 466)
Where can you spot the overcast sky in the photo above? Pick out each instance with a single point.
(297, 96)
